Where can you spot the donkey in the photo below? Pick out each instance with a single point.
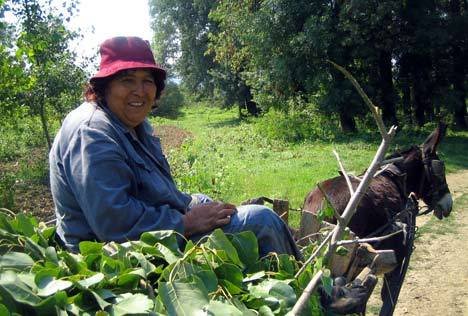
(419, 171)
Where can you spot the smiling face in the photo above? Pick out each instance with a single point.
(130, 96)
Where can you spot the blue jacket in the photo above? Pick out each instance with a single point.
(109, 185)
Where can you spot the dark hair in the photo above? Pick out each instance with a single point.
(95, 89)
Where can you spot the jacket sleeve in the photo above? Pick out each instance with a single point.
(102, 183)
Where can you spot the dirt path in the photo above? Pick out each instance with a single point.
(437, 280)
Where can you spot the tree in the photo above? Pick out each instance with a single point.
(49, 77)
(181, 37)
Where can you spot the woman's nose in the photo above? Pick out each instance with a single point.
(139, 88)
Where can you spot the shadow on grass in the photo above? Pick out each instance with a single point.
(455, 151)
(173, 114)
(232, 122)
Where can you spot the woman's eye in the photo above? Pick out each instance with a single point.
(126, 80)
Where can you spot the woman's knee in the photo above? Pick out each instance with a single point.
(259, 215)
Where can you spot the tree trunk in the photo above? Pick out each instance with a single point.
(45, 128)
(459, 72)
(347, 122)
(405, 86)
(386, 88)
(422, 87)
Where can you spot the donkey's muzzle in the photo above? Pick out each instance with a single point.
(444, 206)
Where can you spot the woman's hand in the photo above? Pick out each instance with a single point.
(208, 216)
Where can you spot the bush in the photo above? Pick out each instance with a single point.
(302, 121)
(171, 101)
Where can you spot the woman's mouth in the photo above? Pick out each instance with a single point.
(136, 104)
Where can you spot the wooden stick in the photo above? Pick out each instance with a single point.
(392, 160)
(345, 174)
(367, 101)
(313, 255)
(303, 299)
(367, 240)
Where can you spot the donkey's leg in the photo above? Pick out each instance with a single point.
(391, 288)
(393, 280)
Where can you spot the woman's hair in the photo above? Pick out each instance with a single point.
(95, 89)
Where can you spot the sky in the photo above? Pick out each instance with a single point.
(109, 18)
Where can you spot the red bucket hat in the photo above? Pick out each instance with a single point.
(121, 53)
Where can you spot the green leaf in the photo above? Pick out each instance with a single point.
(90, 300)
(325, 212)
(265, 311)
(5, 224)
(284, 292)
(49, 286)
(342, 250)
(274, 291)
(170, 255)
(253, 277)
(132, 304)
(100, 300)
(209, 279)
(28, 279)
(220, 308)
(218, 240)
(128, 281)
(16, 260)
(37, 252)
(12, 285)
(183, 298)
(327, 282)
(24, 224)
(286, 265)
(147, 266)
(53, 304)
(73, 261)
(247, 247)
(4, 311)
(231, 273)
(51, 255)
(90, 247)
(92, 280)
(167, 238)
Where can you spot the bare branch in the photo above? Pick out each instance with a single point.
(367, 240)
(372, 107)
(389, 161)
(345, 174)
(303, 299)
(313, 255)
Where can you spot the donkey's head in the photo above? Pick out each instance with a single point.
(434, 189)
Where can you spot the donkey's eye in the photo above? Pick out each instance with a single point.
(438, 167)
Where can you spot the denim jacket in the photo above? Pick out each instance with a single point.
(109, 185)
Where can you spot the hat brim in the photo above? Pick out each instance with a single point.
(116, 67)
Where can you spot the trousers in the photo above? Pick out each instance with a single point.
(272, 233)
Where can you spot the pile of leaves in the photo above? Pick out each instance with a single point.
(220, 275)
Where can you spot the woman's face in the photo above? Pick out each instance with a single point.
(130, 96)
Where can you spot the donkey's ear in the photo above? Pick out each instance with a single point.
(432, 142)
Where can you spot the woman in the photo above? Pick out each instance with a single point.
(109, 178)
